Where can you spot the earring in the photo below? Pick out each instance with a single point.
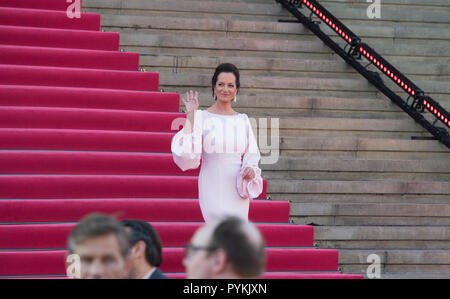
(215, 98)
(235, 98)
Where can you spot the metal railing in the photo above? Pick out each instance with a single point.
(417, 102)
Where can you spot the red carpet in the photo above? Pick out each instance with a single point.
(86, 119)
(92, 59)
(52, 262)
(38, 4)
(77, 77)
(90, 140)
(59, 38)
(82, 130)
(173, 234)
(149, 209)
(47, 18)
(71, 97)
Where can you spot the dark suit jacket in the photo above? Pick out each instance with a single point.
(157, 274)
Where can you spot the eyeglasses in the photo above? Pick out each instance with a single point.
(190, 248)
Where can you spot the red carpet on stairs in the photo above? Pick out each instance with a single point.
(86, 119)
(51, 262)
(47, 18)
(92, 59)
(37, 4)
(59, 38)
(89, 140)
(82, 131)
(173, 234)
(71, 97)
(77, 77)
(148, 209)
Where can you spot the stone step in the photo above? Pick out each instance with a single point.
(193, 8)
(270, 82)
(222, 43)
(288, 99)
(267, 105)
(371, 214)
(283, 66)
(356, 169)
(383, 237)
(377, 198)
(241, 28)
(393, 12)
(268, 44)
(333, 127)
(272, 87)
(182, 80)
(265, 65)
(430, 14)
(395, 262)
(415, 276)
(273, 104)
(431, 3)
(283, 186)
(362, 148)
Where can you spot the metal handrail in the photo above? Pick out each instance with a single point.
(357, 49)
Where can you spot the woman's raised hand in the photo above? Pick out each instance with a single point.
(191, 101)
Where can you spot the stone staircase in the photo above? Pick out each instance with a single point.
(347, 161)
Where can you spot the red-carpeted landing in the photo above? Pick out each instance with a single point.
(51, 262)
(82, 130)
(12, 16)
(148, 209)
(58, 38)
(172, 234)
(76, 58)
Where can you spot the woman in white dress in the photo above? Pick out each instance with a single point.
(224, 142)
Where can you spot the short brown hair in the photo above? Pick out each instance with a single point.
(245, 253)
(95, 225)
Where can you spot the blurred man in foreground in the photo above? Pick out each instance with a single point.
(145, 250)
(230, 248)
(100, 245)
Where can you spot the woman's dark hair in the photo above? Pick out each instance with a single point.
(143, 231)
(226, 68)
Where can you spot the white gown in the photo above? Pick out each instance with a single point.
(226, 145)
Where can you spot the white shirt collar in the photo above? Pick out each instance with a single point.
(149, 274)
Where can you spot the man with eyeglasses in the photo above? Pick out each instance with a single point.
(227, 249)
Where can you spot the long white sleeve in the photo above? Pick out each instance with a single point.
(187, 148)
(250, 189)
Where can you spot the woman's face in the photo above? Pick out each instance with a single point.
(226, 88)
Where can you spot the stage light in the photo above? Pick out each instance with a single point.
(330, 20)
(433, 107)
(376, 60)
(387, 69)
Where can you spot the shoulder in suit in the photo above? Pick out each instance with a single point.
(157, 274)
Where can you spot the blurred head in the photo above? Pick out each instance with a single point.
(145, 245)
(226, 82)
(230, 248)
(102, 245)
